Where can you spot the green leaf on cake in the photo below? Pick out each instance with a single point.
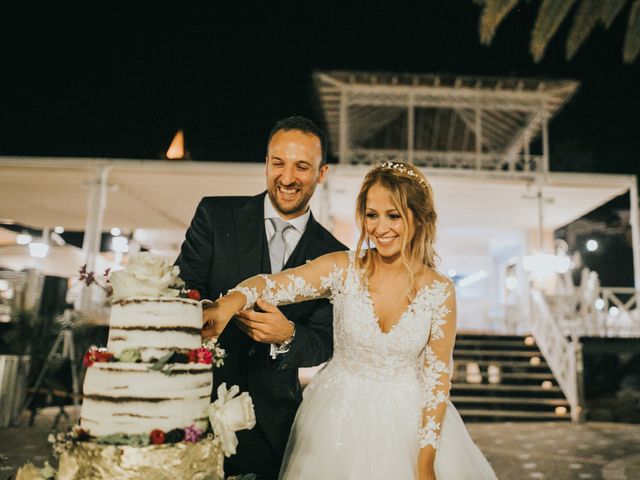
(130, 355)
(122, 439)
(162, 362)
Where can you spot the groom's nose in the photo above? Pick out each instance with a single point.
(288, 176)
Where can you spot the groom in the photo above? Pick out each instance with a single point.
(233, 238)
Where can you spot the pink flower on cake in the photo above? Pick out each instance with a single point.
(200, 355)
(193, 294)
(156, 437)
(193, 434)
(96, 355)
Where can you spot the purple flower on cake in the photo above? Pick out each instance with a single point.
(193, 434)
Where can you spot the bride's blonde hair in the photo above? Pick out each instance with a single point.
(409, 189)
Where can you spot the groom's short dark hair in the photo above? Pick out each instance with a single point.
(304, 125)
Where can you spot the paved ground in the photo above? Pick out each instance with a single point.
(518, 451)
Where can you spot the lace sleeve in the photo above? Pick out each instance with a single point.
(436, 362)
(313, 280)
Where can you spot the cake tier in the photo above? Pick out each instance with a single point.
(200, 461)
(129, 398)
(156, 326)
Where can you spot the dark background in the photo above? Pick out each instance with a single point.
(118, 79)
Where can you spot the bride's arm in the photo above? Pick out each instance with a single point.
(436, 374)
(307, 282)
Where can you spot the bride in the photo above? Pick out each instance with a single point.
(380, 408)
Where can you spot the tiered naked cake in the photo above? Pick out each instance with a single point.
(146, 407)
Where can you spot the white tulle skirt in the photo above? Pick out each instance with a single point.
(350, 428)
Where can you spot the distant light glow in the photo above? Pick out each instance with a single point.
(116, 232)
(452, 273)
(511, 283)
(38, 249)
(529, 341)
(176, 149)
(535, 361)
(59, 229)
(546, 385)
(120, 244)
(592, 245)
(613, 311)
(472, 278)
(599, 304)
(560, 411)
(23, 239)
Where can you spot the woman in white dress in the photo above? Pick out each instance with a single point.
(380, 408)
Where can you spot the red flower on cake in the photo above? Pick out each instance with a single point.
(193, 294)
(156, 437)
(201, 355)
(96, 355)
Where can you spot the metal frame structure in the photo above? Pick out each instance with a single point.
(480, 123)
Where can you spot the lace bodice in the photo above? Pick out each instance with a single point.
(417, 348)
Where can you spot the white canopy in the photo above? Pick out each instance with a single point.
(163, 195)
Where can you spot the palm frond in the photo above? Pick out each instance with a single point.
(632, 38)
(493, 13)
(550, 15)
(584, 20)
(609, 11)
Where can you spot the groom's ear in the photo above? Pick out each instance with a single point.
(322, 175)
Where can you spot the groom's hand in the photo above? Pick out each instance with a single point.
(266, 326)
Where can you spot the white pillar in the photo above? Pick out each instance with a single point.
(635, 230)
(96, 203)
(478, 131)
(545, 144)
(410, 130)
(342, 125)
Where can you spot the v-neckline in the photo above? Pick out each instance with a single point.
(374, 314)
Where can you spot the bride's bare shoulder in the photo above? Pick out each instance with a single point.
(430, 276)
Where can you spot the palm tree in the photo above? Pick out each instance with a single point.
(551, 14)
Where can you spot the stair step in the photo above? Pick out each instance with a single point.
(480, 337)
(520, 376)
(502, 363)
(556, 402)
(497, 353)
(494, 343)
(511, 414)
(503, 388)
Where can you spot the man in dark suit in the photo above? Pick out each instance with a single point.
(233, 238)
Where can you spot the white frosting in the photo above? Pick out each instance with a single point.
(155, 326)
(129, 398)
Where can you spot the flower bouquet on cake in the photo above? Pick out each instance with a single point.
(146, 410)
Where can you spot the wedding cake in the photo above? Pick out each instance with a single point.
(146, 397)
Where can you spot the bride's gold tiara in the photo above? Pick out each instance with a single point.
(401, 169)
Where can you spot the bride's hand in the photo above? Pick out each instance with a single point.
(216, 315)
(427, 474)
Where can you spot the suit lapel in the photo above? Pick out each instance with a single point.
(249, 228)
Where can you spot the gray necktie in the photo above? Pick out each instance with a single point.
(277, 245)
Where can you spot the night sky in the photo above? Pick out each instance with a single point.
(117, 80)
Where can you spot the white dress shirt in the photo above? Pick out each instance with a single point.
(291, 237)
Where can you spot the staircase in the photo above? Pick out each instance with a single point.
(504, 378)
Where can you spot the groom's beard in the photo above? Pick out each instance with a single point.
(297, 205)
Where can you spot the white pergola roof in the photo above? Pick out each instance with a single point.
(449, 121)
(162, 195)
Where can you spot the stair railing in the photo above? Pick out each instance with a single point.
(559, 351)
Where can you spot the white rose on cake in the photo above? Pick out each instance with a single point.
(229, 414)
(146, 275)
